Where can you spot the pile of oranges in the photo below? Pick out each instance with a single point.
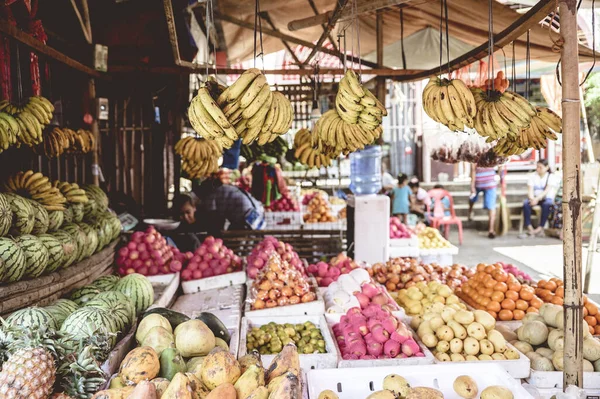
(500, 293)
(553, 291)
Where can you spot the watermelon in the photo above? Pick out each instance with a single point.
(61, 309)
(117, 310)
(23, 215)
(56, 254)
(80, 238)
(101, 232)
(90, 209)
(86, 321)
(6, 215)
(96, 194)
(12, 261)
(115, 226)
(77, 210)
(40, 225)
(69, 247)
(138, 289)
(36, 255)
(55, 220)
(33, 317)
(115, 298)
(68, 215)
(91, 239)
(105, 283)
(84, 294)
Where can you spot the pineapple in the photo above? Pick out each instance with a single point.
(60, 396)
(29, 373)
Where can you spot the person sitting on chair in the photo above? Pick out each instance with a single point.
(542, 189)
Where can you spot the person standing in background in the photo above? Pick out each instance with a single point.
(542, 188)
(401, 198)
(483, 180)
(419, 200)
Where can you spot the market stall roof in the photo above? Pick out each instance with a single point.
(468, 22)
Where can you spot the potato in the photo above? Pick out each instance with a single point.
(328, 394)
(465, 387)
(416, 322)
(429, 340)
(485, 319)
(471, 346)
(448, 314)
(497, 392)
(484, 357)
(442, 357)
(511, 354)
(396, 384)
(436, 322)
(442, 346)
(498, 356)
(458, 330)
(424, 328)
(383, 394)
(444, 333)
(456, 345)
(465, 317)
(476, 331)
(457, 357)
(471, 358)
(497, 340)
(486, 347)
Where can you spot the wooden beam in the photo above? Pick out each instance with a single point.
(168, 5)
(572, 245)
(265, 15)
(196, 68)
(245, 8)
(380, 88)
(363, 6)
(518, 28)
(39, 47)
(291, 39)
(84, 28)
(86, 18)
(337, 13)
(324, 26)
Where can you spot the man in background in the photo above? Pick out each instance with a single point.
(483, 180)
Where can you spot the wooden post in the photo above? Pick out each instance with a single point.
(380, 80)
(573, 310)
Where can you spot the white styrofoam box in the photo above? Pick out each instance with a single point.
(224, 302)
(316, 307)
(371, 227)
(394, 305)
(165, 286)
(548, 393)
(359, 383)
(209, 283)
(404, 242)
(234, 342)
(340, 224)
(518, 368)
(307, 362)
(403, 252)
(554, 379)
(428, 359)
(452, 250)
(441, 256)
(283, 220)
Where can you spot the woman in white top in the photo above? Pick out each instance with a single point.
(542, 189)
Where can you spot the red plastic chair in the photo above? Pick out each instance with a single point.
(438, 217)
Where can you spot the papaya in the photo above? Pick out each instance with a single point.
(219, 367)
(159, 338)
(286, 360)
(171, 363)
(143, 390)
(216, 326)
(174, 318)
(194, 365)
(252, 358)
(117, 393)
(116, 383)
(161, 385)
(179, 388)
(286, 386)
(259, 393)
(248, 381)
(196, 385)
(140, 364)
(223, 391)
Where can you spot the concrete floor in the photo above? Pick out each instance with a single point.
(540, 257)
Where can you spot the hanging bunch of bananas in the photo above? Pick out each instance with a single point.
(543, 127)
(36, 186)
(85, 141)
(256, 112)
(276, 149)
(200, 157)
(10, 130)
(71, 192)
(333, 135)
(306, 154)
(501, 115)
(357, 105)
(450, 103)
(60, 140)
(31, 118)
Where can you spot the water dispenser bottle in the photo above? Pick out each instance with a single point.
(365, 171)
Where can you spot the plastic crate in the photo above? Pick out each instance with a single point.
(316, 307)
(210, 283)
(283, 220)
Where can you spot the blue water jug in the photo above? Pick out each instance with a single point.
(365, 171)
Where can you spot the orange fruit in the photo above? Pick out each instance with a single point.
(502, 287)
(505, 315)
(494, 306)
(597, 330)
(489, 269)
(510, 294)
(497, 296)
(488, 292)
(508, 304)
(560, 291)
(551, 285)
(494, 314)
(557, 300)
(521, 304)
(592, 309)
(542, 284)
(591, 320)
(515, 286)
(518, 314)
(484, 302)
(480, 267)
(531, 309)
(536, 302)
(490, 283)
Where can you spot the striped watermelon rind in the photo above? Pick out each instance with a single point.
(56, 254)
(118, 312)
(80, 238)
(96, 194)
(68, 212)
(87, 320)
(23, 215)
(41, 219)
(77, 210)
(105, 283)
(116, 298)
(90, 209)
(138, 289)
(69, 247)
(91, 239)
(33, 317)
(6, 215)
(61, 309)
(84, 294)
(55, 220)
(12, 261)
(36, 255)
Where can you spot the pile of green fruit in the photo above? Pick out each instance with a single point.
(272, 337)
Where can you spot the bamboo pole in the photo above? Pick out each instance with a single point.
(573, 310)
